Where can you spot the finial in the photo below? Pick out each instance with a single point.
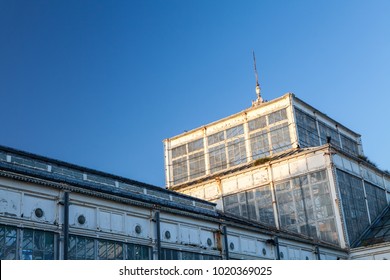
(259, 100)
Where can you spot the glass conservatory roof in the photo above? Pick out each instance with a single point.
(379, 232)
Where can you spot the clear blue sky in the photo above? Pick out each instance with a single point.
(101, 83)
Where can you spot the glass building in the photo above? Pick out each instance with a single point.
(278, 181)
(284, 164)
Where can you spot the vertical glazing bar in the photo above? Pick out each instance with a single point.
(168, 163)
(206, 152)
(158, 235)
(273, 196)
(248, 149)
(225, 239)
(66, 224)
(318, 253)
(276, 239)
(292, 121)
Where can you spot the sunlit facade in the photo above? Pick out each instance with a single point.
(284, 164)
(50, 209)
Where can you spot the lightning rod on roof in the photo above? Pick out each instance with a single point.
(259, 100)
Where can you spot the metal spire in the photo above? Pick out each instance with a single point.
(259, 100)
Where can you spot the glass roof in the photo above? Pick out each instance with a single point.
(379, 232)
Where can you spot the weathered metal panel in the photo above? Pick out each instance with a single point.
(117, 222)
(294, 253)
(89, 213)
(281, 171)
(315, 161)
(260, 176)
(131, 226)
(248, 246)
(104, 220)
(206, 235)
(198, 192)
(229, 185)
(169, 232)
(328, 257)
(234, 244)
(298, 166)
(211, 191)
(307, 255)
(244, 181)
(31, 203)
(383, 256)
(283, 252)
(265, 250)
(10, 203)
(189, 235)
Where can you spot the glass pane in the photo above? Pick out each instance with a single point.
(89, 249)
(8, 254)
(326, 131)
(307, 129)
(168, 254)
(49, 241)
(110, 251)
(216, 138)
(118, 251)
(39, 241)
(80, 248)
(260, 122)
(138, 252)
(237, 152)
(306, 204)
(197, 165)
(27, 254)
(72, 248)
(277, 116)
(7, 243)
(102, 250)
(195, 145)
(259, 144)
(265, 205)
(234, 131)
(353, 203)
(280, 138)
(27, 239)
(349, 145)
(217, 157)
(179, 151)
(180, 170)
